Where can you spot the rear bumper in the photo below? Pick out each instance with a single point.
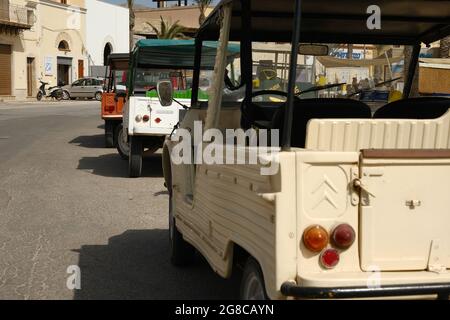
(112, 117)
(442, 290)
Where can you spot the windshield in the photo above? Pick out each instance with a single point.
(370, 73)
(147, 79)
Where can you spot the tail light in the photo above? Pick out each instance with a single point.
(329, 258)
(315, 238)
(158, 120)
(343, 236)
(145, 118)
(138, 118)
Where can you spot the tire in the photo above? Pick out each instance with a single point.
(121, 142)
(59, 95)
(109, 134)
(39, 96)
(98, 96)
(181, 253)
(135, 157)
(66, 95)
(252, 283)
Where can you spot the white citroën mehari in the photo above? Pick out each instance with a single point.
(359, 205)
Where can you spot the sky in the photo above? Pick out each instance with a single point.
(148, 3)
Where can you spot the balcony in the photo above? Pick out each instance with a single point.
(14, 18)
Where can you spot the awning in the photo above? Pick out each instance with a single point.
(64, 60)
(119, 61)
(332, 62)
(177, 53)
(438, 63)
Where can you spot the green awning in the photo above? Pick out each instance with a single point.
(177, 53)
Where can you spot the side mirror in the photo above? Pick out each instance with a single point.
(165, 92)
(313, 49)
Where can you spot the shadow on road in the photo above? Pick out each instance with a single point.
(112, 165)
(135, 265)
(93, 141)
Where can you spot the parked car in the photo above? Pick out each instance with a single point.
(84, 88)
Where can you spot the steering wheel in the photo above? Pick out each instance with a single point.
(318, 88)
(248, 108)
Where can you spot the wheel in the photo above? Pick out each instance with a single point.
(59, 95)
(135, 157)
(39, 96)
(121, 142)
(181, 252)
(109, 134)
(252, 283)
(65, 95)
(98, 96)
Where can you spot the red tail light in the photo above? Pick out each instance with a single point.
(343, 236)
(145, 118)
(157, 120)
(329, 258)
(315, 238)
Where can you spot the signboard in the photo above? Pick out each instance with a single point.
(48, 66)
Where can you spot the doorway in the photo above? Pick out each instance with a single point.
(30, 76)
(80, 69)
(5, 70)
(64, 70)
(106, 52)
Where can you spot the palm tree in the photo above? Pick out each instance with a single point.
(167, 31)
(131, 22)
(444, 44)
(202, 6)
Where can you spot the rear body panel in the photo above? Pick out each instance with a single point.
(162, 120)
(111, 109)
(405, 220)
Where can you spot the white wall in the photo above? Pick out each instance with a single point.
(105, 23)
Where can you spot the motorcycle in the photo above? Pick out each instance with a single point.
(53, 92)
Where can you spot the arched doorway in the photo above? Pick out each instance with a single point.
(64, 64)
(106, 52)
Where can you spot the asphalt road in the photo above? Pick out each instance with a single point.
(66, 200)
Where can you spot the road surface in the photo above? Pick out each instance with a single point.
(65, 200)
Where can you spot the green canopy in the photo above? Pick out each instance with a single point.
(176, 53)
(173, 54)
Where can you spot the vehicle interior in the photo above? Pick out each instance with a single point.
(116, 72)
(404, 23)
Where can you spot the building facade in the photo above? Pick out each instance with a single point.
(107, 31)
(48, 40)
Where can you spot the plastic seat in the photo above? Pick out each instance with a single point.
(414, 108)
